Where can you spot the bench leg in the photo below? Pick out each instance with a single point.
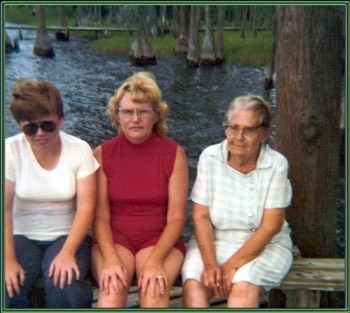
(302, 298)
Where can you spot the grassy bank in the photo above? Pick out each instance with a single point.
(248, 51)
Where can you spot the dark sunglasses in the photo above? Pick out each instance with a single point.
(32, 128)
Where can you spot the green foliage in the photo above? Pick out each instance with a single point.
(248, 51)
(20, 14)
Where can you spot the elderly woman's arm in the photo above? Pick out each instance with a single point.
(64, 264)
(176, 218)
(271, 224)
(211, 276)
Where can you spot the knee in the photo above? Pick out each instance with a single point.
(195, 295)
(112, 300)
(154, 302)
(244, 294)
(192, 287)
(245, 288)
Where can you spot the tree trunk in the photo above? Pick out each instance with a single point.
(9, 45)
(151, 25)
(141, 51)
(250, 11)
(62, 35)
(163, 20)
(255, 18)
(220, 59)
(62, 16)
(95, 12)
(181, 46)
(42, 46)
(236, 16)
(82, 19)
(99, 12)
(111, 15)
(175, 29)
(208, 57)
(270, 67)
(193, 43)
(244, 19)
(309, 89)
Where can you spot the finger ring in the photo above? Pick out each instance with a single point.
(106, 275)
(159, 277)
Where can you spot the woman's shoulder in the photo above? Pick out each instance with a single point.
(213, 150)
(165, 140)
(110, 142)
(15, 142)
(275, 156)
(73, 141)
(16, 138)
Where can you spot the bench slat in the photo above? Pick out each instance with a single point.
(323, 263)
(316, 274)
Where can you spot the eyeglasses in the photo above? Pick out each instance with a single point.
(32, 128)
(246, 132)
(142, 113)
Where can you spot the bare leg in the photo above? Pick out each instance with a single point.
(172, 267)
(113, 299)
(244, 295)
(195, 295)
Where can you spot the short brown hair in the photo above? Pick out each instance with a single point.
(33, 99)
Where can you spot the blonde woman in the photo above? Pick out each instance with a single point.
(142, 195)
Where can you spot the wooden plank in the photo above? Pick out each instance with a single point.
(316, 274)
(321, 263)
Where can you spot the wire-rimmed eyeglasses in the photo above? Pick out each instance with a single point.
(246, 131)
(142, 113)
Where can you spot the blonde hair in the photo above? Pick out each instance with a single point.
(33, 99)
(142, 87)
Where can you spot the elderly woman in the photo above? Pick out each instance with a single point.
(142, 196)
(242, 243)
(50, 196)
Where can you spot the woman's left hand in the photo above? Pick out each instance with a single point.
(151, 275)
(62, 269)
(227, 273)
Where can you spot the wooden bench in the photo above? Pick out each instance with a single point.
(308, 277)
(302, 286)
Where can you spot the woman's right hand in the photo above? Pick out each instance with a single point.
(113, 273)
(211, 278)
(14, 277)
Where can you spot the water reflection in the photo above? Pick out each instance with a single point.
(198, 98)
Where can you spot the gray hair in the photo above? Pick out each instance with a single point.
(252, 102)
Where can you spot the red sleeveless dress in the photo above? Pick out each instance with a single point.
(138, 178)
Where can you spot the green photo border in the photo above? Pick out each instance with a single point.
(3, 73)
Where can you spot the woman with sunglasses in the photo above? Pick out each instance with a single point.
(50, 196)
(142, 196)
(242, 245)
